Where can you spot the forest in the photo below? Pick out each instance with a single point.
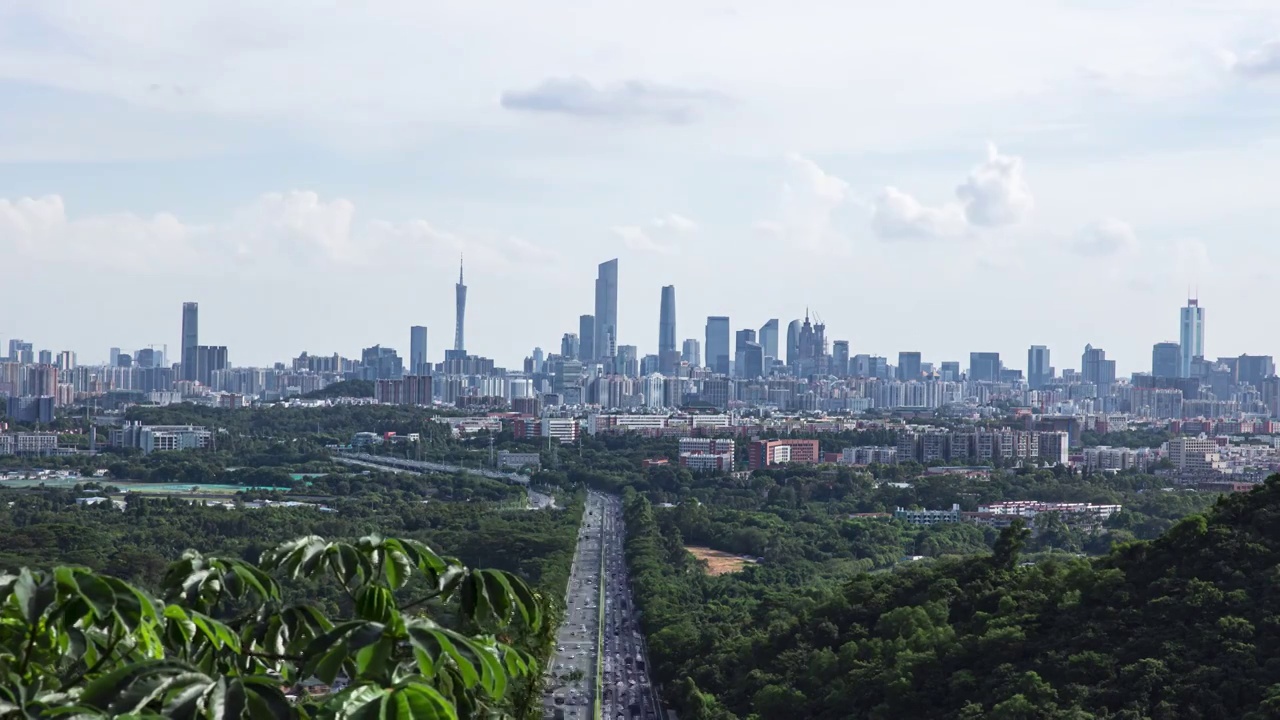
(1181, 626)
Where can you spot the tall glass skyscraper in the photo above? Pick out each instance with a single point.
(1038, 368)
(717, 350)
(418, 351)
(190, 340)
(793, 342)
(667, 322)
(769, 340)
(1192, 336)
(586, 339)
(606, 318)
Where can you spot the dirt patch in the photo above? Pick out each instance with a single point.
(719, 563)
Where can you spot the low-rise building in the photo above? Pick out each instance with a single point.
(508, 460)
(158, 438)
(927, 517)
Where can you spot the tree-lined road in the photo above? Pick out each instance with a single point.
(623, 690)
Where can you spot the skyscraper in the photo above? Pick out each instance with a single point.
(691, 352)
(459, 342)
(769, 340)
(1166, 359)
(586, 338)
(793, 342)
(569, 347)
(190, 340)
(840, 358)
(1192, 336)
(1096, 368)
(668, 355)
(743, 340)
(1038, 372)
(418, 351)
(908, 366)
(606, 318)
(717, 345)
(984, 366)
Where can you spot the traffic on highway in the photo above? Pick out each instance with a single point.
(599, 615)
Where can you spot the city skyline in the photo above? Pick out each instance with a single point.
(1191, 324)
(1065, 191)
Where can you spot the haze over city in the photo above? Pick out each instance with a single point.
(946, 202)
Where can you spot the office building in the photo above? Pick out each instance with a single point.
(1253, 369)
(741, 340)
(381, 363)
(1039, 371)
(145, 358)
(190, 340)
(667, 321)
(763, 453)
(569, 347)
(1096, 368)
(586, 338)
(1166, 359)
(209, 359)
(459, 338)
(692, 352)
(717, 348)
(840, 358)
(908, 366)
(606, 317)
(669, 355)
(66, 360)
(950, 371)
(984, 366)
(793, 342)
(44, 357)
(418, 364)
(115, 351)
(768, 339)
(1191, 337)
(31, 409)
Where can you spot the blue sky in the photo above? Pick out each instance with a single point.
(933, 176)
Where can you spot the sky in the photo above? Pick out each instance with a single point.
(922, 175)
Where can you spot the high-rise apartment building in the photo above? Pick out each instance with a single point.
(793, 342)
(190, 340)
(768, 339)
(586, 338)
(1166, 359)
(1039, 371)
(606, 317)
(691, 352)
(459, 339)
(908, 366)
(418, 351)
(1191, 336)
(717, 348)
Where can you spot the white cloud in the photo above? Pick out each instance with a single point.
(897, 215)
(631, 100)
(809, 200)
(1264, 61)
(1107, 237)
(996, 193)
(293, 228)
(661, 235)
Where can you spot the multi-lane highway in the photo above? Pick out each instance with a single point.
(599, 668)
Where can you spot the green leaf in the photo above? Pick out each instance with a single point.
(374, 602)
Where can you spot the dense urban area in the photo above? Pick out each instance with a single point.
(763, 528)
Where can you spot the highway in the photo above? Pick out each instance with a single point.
(423, 466)
(623, 691)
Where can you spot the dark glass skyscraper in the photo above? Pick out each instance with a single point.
(908, 366)
(606, 330)
(717, 350)
(418, 351)
(984, 366)
(1039, 371)
(586, 338)
(1165, 359)
(190, 340)
(667, 321)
